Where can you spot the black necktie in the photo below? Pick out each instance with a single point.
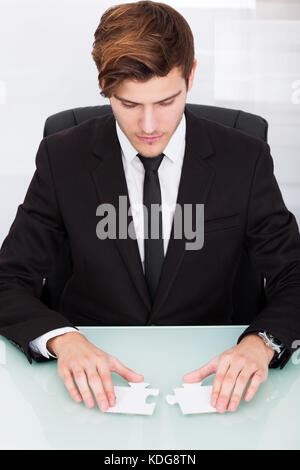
(154, 249)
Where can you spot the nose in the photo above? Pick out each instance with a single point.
(148, 122)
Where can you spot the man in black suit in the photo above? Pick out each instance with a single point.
(151, 151)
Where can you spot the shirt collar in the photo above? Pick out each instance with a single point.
(173, 150)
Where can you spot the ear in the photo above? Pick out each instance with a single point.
(192, 74)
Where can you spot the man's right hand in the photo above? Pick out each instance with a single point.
(80, 362)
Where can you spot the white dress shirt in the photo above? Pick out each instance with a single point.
(169, 173)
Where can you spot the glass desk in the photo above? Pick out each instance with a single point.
(38, 413)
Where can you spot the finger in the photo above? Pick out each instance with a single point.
(256, 380)
(108, 386)
(239, 388)
(70, 385)
(200, 374)
(125, 372)
(218, 380)
(96, 386)
(82, 383)
(229, 384)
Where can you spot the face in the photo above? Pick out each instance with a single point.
(148, 113)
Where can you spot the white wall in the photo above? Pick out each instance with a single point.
(248, 58)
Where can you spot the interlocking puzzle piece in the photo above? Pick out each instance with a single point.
(132, 400)
(192, 398)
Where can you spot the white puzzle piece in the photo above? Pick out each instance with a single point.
(132, 400)
(192, 398)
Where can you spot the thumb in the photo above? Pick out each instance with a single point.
(127, 373)
(200, 374)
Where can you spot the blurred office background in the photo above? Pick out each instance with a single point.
(248, 54)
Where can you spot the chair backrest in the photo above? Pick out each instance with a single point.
(248, 295)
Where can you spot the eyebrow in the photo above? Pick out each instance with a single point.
(157, 102)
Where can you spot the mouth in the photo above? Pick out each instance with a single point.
(149, 139)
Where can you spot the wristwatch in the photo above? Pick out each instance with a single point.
(272, 342)
(277, 346)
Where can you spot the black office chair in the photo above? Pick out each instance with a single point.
(248, 294)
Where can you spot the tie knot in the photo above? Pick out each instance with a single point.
(151, 163)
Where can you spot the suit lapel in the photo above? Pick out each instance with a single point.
(110, 182)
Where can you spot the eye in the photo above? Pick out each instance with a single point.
(167, 104)
(128, 105)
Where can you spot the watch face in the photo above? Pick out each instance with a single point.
(274, 340)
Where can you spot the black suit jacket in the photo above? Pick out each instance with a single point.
(77, 169)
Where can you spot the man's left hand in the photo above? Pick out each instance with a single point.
(249, 360)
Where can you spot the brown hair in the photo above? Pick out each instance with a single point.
(141, 40)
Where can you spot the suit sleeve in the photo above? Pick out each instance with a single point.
(27, 256)
(272, 240)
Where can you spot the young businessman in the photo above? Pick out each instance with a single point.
(153, 151)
